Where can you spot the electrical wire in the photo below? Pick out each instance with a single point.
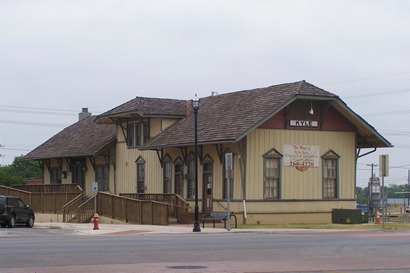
(33, 123)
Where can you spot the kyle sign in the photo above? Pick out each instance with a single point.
(301, 157)
(303, 123)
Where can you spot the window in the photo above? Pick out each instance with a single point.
(330, 175)
(101, 176)
(167, 174)
(179, 176)
(140, 175)
(137, 133)
(130, 134)
(55, 176)
(225, 182)
(271, 174)
(191, 177)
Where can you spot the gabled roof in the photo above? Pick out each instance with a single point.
(230, 117)
(83, 138)
(145, 107)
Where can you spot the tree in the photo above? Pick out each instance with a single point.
(362, 195)
(15, 173)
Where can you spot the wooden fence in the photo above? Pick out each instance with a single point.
(50, 188)
(44, 202)
(70, 210)
(72, 204)
(145, 212)
(178, 207)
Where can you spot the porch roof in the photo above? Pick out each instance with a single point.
(83, 138)
(144, 107)
(230, 117)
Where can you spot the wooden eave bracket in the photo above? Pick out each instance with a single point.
(47, 162)
(219, 150)
(184, 153)
(119, 122)
(60, 164)
(70, 167)
(109, 159)
(160, 154)
(92, 160)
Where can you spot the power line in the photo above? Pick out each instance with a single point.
(369, 78)
(378, 94)
(14, 149)
(33, 123)
(392, 113)
(35, 108)
(37, 112)
(31, 110)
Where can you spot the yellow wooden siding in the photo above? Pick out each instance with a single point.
(155, 125)
(126, 173)
(296, 184)
(166, 122)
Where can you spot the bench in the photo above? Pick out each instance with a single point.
(218, 216)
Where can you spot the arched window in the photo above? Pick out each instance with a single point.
(191, 177)
(140, 175)
(179, 176)
(167, 174)
(271, 174)
(330, 178)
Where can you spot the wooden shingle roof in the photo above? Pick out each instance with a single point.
(145, 107)
(231, 116)
(83, 138)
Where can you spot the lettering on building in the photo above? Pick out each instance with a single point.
(304, 123)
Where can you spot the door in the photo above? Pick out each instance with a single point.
(208, 186)
(102, 177)
(78, 173)
(179, 179)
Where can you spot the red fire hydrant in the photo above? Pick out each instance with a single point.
(95, 221)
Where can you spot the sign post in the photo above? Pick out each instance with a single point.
(383, 171)
(95, 189)
(228, 169)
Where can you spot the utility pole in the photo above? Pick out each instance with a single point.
(1, 146)
(408, 188)
(370, 189)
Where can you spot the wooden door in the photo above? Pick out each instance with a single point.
(78, 173)
(179, 179)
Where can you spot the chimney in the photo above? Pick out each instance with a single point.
(84, 114)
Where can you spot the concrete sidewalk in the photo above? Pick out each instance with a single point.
(129, 229)
(134, 229)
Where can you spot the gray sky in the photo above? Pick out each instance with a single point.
(60, 56)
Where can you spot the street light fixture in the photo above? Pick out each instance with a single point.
(195, 107)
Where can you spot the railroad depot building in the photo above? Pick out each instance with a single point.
(294, 145)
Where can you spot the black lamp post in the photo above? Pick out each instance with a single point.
(195, 106)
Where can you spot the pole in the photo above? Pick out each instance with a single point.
(197, 228)
(408, 189)
(383, 204)
(371, 203)
(228, 221)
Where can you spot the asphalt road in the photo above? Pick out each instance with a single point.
(46, 251)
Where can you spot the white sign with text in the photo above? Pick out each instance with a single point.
(304, 156)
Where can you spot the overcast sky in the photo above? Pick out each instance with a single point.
(57, 57)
